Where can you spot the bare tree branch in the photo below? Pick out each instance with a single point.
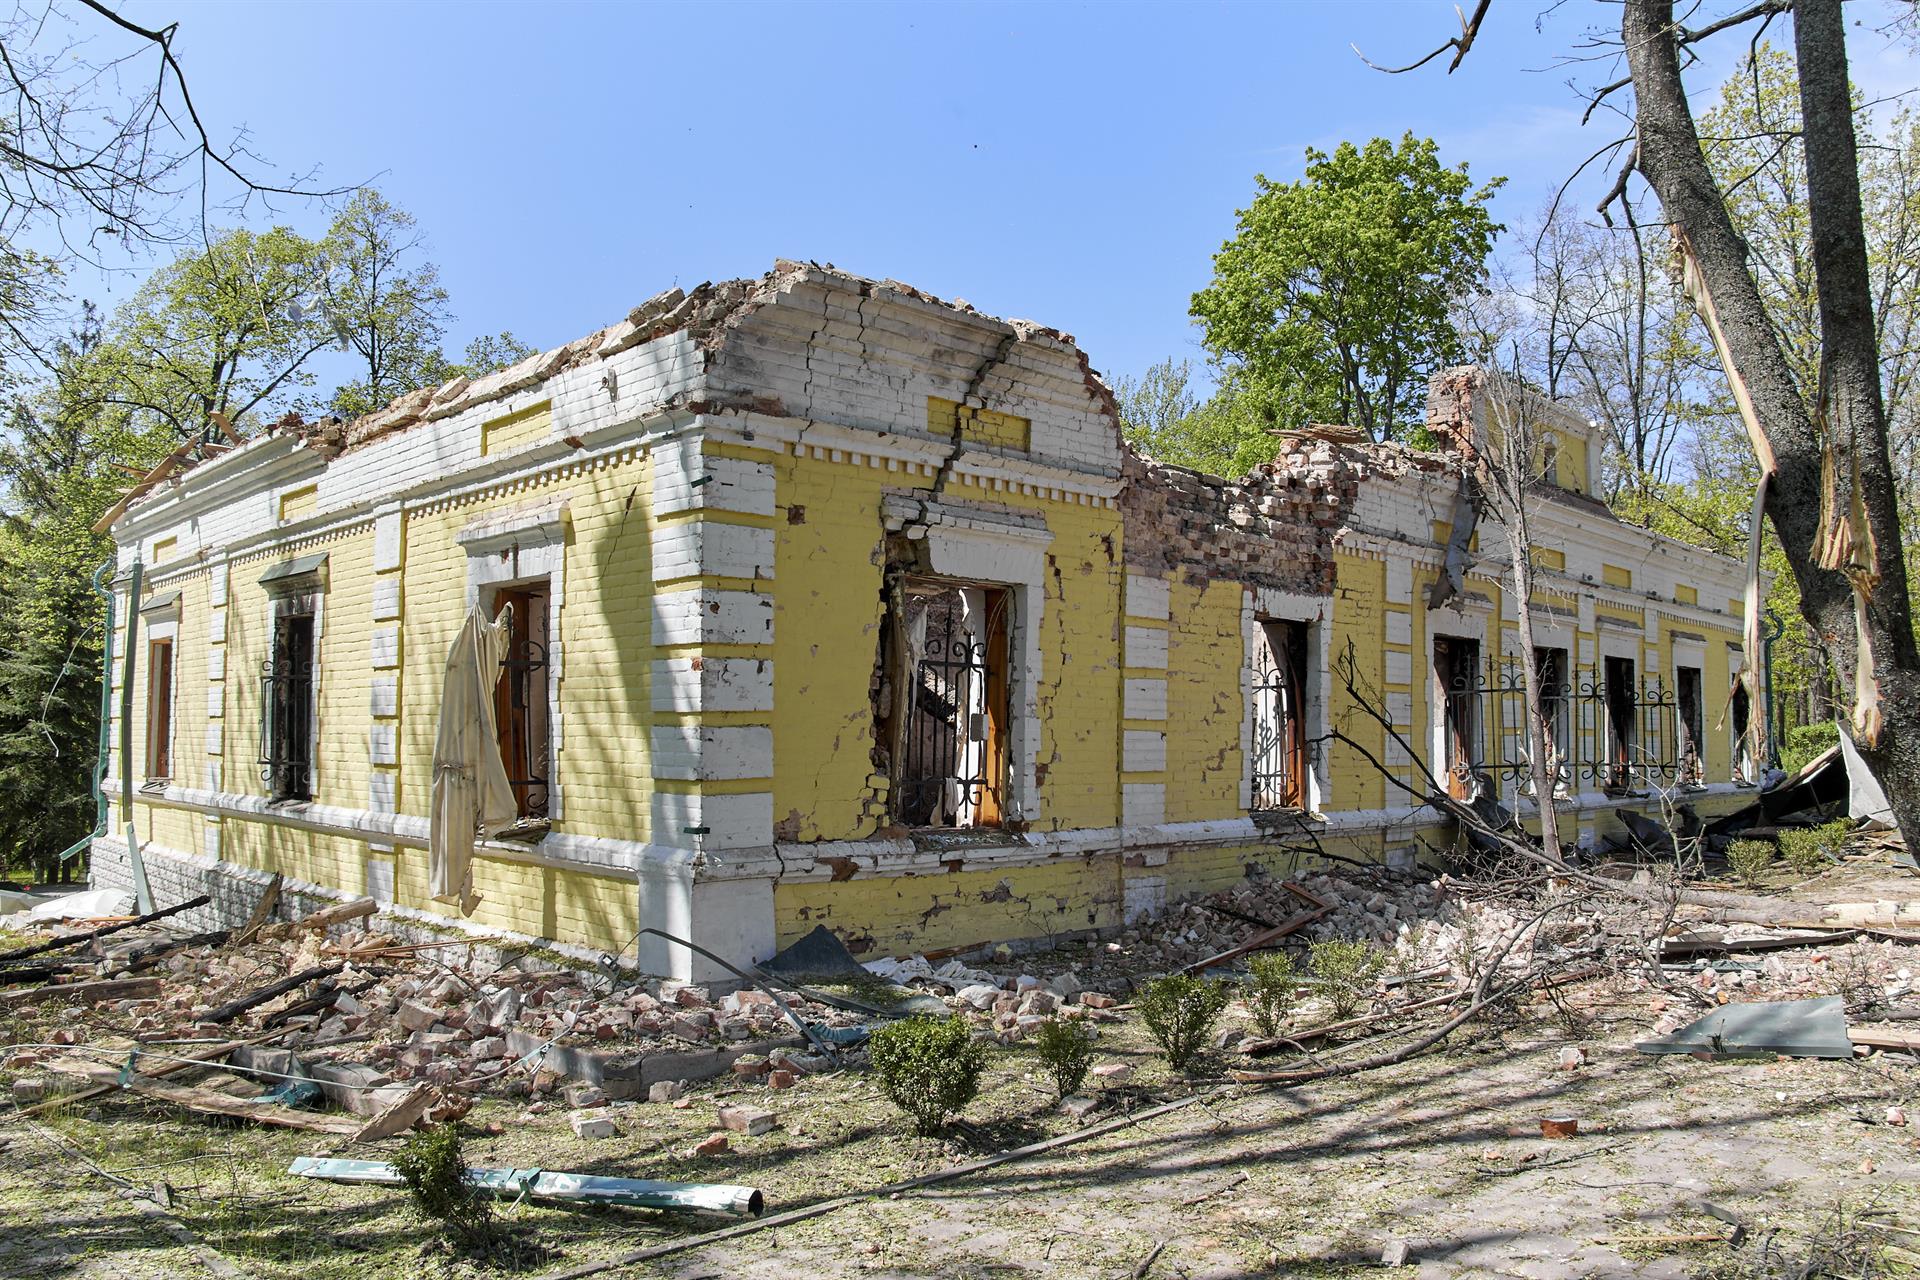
(1461, 44)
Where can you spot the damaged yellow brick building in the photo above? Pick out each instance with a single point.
(837, 604)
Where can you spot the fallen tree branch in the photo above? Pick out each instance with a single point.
(234, 1008)
(61, 944)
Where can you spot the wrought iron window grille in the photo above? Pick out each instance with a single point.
(1282, 756)
(950, 757)
(286, 709)
(524, 670)
(1614, 737)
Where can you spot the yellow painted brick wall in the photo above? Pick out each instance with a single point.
(516, 430)
(341, 674)
(828, 564)
(1205, 703)
(606, 630)
(978, 426)
(1359, 619)
(297, 504)
(897, 915)
(827, 613)
(346, 675)
(1080, 655)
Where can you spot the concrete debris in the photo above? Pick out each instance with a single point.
(592, 1124)
(751, 1121)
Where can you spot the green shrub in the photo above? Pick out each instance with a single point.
(1179, 1012)
(1066, 1049)
(435, 1173)
(1272, 987)
(1346, 970)
(1806, 742)
(1749, 860)
(928, 1067)
(1809, 850)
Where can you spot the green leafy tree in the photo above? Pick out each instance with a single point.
(1163, 418)
(383, 302)
(1335, 298)
(492, 352)
(231, 329)
(58, 472)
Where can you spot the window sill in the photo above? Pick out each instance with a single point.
(289, 805)
(153, 786)
(1273, 817)
(960, 837)
(528, 831)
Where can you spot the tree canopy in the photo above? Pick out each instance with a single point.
(1334, 299)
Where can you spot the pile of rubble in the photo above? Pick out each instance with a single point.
(1419, 920)
(367, 1022)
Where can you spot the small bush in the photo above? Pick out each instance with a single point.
(928, 1067)
(1346, 970)
(1809, 850)
(1806, 742)
(1179, 1012)
(1066, 1049)
(1272, 987)
(435, 1173)
(1749, 860)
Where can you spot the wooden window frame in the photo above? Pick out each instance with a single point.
(160, 687)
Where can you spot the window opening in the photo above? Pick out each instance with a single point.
(521, 700)
(1456, 668)
(1743, 761)
(946, 650)
(160, 709)
(1555, 710)
(286, 704)
(1622, 705)
(1279, 717)
(1550, 461)
(1691, 723)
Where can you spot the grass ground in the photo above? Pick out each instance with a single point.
(1443, 1152)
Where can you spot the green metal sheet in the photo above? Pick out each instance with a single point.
(288, 571)
(542, 1184)
(1797, 1028)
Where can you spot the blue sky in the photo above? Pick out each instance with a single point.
(1076, 164)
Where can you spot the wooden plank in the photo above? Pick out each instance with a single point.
(234, 1008)
(401, 1116)
(205, 1056)
(210, 1102)
(340, 913)
(89, 992)
(1885, 1038)
(262, 911)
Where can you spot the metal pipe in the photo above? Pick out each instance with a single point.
(104, 738)
(142, 894)
(542, 1184)
(126, 693)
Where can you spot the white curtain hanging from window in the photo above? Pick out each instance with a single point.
(471, 794)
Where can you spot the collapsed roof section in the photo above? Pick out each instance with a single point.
(755, 345)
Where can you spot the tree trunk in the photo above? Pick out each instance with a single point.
(1785, 435)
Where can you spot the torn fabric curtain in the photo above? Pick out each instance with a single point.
(471, 794)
